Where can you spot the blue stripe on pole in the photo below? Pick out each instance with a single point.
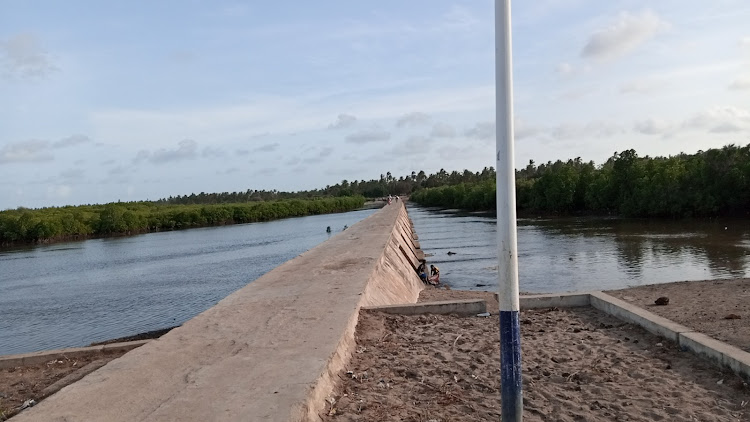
(510, 367)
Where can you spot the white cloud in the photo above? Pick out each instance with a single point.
(593, 129)
(373, 134)
(720, 119)
(740, 84)
(343, 121)
(118, 170)
(59, 191)
(726, 127)
(745, 41)
(442, 130)
(270, 114)
(415, 118)
(319, 156)
(564, 68)
(623, 36)
(453, 152)
(71, 141)
(186, 150)
(211, 152)
(523, 130)
(460, 18)
(415, 145)
(26, 151)
(228, 171)
(73, 173)
(578, 92)
(638, 86)
(483, 131)
(652, 126)
(267, 147)
(22, 57)
(266, 171)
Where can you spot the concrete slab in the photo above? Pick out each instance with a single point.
(625, 311)
(565, 300)
(461, 307)
(269, 351)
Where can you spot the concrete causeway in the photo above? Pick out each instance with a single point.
(269, 351)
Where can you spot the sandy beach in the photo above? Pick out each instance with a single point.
(718, 308)
(578, 365)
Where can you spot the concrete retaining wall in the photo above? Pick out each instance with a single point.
(467, 307)
(269, 351)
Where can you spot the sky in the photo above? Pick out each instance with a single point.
(140, 100)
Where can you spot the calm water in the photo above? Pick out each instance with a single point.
(72, 294)
(574, 254)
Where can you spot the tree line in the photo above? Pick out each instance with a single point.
(386, 184)
(80, 222)
(708, 183)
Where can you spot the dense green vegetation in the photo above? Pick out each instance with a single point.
(706, 184)
(50, 224)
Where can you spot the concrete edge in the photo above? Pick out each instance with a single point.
(315, 399)
(71, 378)
(701, 345)
(35, 358)
(625, 311)
(565, 300)
(717, 351)
(460, 307)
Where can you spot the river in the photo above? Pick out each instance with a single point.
(576, 254)
(75, 293)
(72, 294)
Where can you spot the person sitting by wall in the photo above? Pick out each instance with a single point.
(434, 274)
(422, 272)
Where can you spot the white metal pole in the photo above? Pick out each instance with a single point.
(510, 328)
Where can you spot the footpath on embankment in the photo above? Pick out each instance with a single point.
(269, 351)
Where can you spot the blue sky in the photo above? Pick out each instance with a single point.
(105, 101)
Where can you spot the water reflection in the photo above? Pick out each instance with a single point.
(568, 254)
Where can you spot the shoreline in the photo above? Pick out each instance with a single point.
(9, 246)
